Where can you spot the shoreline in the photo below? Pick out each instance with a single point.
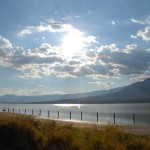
(141, 130)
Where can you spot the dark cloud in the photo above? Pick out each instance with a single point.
(135, 62)
(56, 26)
(65, 68)
(74, 62)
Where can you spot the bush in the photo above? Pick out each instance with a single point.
(27, 133)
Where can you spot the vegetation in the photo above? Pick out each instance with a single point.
(27, 133)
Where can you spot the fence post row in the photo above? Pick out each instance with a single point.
(97, 115)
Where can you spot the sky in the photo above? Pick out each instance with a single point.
(72, 46)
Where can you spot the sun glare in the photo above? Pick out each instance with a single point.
(72, 43)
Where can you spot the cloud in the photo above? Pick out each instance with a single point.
(130, 60)
(137, 21)
(143, 33)
(139, 77)
(142, 22)
(90, 39)
(29, 92)
(83, 71)
(65, 68)
(51, 27)
(5, 43)
(113, 48)
(113, 22)
(74, 62)
(6, 51)
(32, 62)
(103, 62)
(58, 27)
(133, 36)
(101, 83)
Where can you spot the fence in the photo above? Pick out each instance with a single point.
(110, 118)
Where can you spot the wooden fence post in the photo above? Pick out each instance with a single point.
(97, 116)
(134, 119)
(114, 118)
(48, 113)
(58, 114)
(25, 111)
(70, 115)
(40, 113)
(81, 116)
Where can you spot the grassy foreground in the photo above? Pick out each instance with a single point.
(18, 132)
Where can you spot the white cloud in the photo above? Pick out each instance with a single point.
(51, 27)
(113, 48)
(113, 22)
(26, 31)
(143, 33)
(129, 48)
(142, 22)
(6, 51)
(138, 21)
(133, 36)
(29, 92)
(90, 39)
(98, 76)
(5, 43)
(139, 77)
(102, 83)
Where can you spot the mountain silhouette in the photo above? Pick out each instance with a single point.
(138, 92)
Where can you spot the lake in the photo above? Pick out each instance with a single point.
(138, 113)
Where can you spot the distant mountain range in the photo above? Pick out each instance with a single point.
(138, 92)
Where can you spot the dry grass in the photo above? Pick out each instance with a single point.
(27, 133)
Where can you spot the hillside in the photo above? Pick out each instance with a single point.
(52, 98)
(138, 92)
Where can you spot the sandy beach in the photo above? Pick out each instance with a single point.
(143, 130)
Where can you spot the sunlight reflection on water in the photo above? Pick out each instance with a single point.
(68, 105)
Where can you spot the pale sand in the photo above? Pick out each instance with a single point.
(143, 130)
(133, 129)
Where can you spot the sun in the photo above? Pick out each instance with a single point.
(72, 43)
